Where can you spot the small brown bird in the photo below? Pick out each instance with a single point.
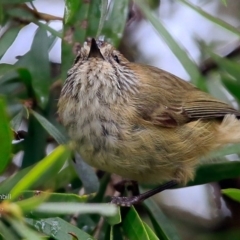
(139, 121)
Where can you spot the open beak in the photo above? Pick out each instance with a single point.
(94, 50)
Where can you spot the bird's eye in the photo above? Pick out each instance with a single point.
(115, 57)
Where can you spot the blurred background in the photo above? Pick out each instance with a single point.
(197, 212)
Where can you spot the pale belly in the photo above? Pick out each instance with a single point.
(131, 158)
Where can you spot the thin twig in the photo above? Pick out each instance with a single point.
(39, 15)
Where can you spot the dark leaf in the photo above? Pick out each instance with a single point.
(5, 137)
(7, 39)
(50, 128)
(86, 174)
(116, 20)
(43, 170)
(58, 229)
(190, 67)
(37, 62)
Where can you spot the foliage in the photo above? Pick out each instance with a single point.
(39, 201)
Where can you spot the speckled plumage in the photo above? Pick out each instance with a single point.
(138, 121)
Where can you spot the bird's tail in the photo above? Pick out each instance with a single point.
(229, 130)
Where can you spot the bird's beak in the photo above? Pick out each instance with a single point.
(94, 50)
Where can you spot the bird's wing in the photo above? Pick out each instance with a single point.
(208, 109)
(178, 102)
(175, 115)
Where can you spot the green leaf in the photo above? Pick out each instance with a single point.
(58, 229)
(82, 19)
(24, 231)
(86, 174)
(213, 19)
(62, 179)
(20, 13)
(40, 172)
(34, 145)
(83, 16)
(17, 120)
(232, 85)
(163, 227)
(151, 234)
(93, 18)
(5, 68)
(55, 181)
(6, 232)
(31, 199)
(115, 233)
(103, 11)
(53, 197)
(71, 7)
(75, 28)
(133, 226)
(190, 67)
(215, 172)
(102, 188)
(228, 66)
(5, 137)
(37, 62)
(49, 29)
(216, 88)
(116, 20)
(116, 219)
(31, 203)
(232, 193)
(7, 39)
(50, 128)
(104, 209)
(10, 182)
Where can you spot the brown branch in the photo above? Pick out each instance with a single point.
(39, 15)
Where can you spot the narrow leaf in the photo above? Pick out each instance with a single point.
(51, 163)
(5, 137)
(50, 128)
(163, 227)
(116, 219)
(10, 182)
(86, 174)
(53, 197)
(232, 85)
(49, 29)
(17, 120)
(104, 209)
(116, 20)
(7, 39)
(232, 193)
(190, 67)
(229, 66)
(24, 231)
(6, 232)
(103, 11)
(133, 226)
(31, 203)
(150, 232)
(215, 172)
(32, 60)
(58, 229)
(213, 19)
